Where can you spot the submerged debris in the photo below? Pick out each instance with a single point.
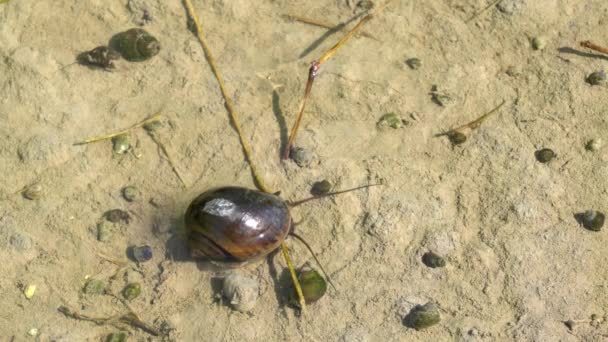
(101, 56)
(117, 337)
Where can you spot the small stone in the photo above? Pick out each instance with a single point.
(320, 188)
(117, 337)
(594, 144)
(121, 143)
(117, 215)
(302, 157)
(597, 78)
(422, 316)
(593, 220)
(414, 63)
(95, 287)
(132, 291)
(242, 292)
(544, 155)
(457, 137)
(29, 291)
(33, 192)
(141, 253)
(538, 43)
(131, 193)
(390, 120)
(33, 332)
(105, 230)
(433, 260)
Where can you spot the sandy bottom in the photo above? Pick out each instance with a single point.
(518, 262)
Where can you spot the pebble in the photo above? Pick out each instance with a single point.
(141, 253)
(241, 291)
(131, 193)
(597, 78)
(433, 260)
(320, 188)
(422, 316)
(302, 157)
(539, 43)
(544, 155)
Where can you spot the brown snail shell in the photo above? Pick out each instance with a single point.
(236, 225)
(135, 45)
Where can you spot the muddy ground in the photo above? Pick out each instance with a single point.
(518, 262)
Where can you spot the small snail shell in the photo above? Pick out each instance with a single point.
(236, 225)
(135, 45)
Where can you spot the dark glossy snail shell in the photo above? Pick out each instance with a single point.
(135, 45)
(235, 224)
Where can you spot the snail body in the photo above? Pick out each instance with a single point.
(135, 45)
(235, 225)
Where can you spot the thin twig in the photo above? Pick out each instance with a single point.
(590, 45)
(235, 121)
(313, 72)
(124, 131)
(129, 318)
